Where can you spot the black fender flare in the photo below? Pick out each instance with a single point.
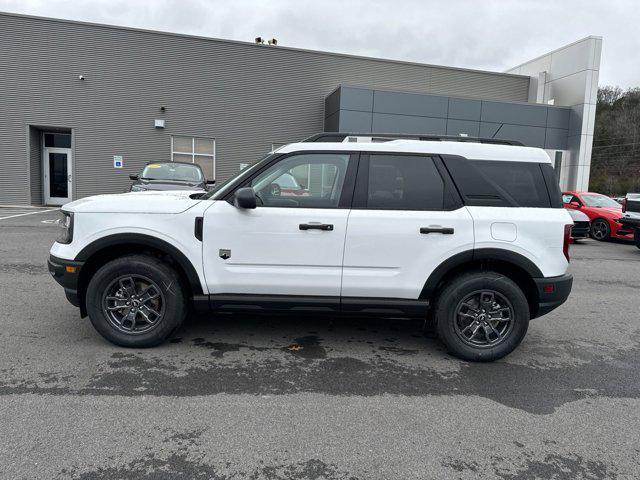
(495, 254)
(149, 241)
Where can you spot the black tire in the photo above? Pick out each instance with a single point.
(636, 237)
(600, 230)
(449, 320)
(160, 281)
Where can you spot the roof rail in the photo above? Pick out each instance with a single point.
(386, 137)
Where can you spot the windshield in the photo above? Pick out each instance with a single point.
(176, 172)
(595, 200)
(221, 188)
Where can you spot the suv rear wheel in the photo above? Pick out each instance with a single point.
(136, 301)
(481, 316)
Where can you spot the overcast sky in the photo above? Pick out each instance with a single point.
(482, 34)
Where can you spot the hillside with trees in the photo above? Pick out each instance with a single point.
(615, 161)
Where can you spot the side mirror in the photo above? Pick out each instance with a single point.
(134, 177)
(245, 198)
(574, 204)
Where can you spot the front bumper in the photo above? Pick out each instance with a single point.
(629, 223)
(580, 229)
(552, 292)
(66, 273)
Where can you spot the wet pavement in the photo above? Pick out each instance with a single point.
(297, 397)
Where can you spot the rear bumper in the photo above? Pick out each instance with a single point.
(66, 273)
(552, 292)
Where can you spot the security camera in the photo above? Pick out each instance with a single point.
(80, 77)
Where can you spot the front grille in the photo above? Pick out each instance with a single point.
(580, 229)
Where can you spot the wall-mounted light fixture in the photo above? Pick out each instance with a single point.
(159, 123)
(80, 77)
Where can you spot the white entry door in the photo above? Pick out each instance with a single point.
(57, 175)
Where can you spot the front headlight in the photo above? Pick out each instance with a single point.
(65, 224)
(137, 188)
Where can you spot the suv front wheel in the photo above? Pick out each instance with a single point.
(136, 301)
(481, 316)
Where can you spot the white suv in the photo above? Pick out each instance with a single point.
(468, 233)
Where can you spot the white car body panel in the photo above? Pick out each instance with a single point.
(387, 256)
(270, 254)
(539, 234)
(174, 228)
(168, 201)
(470, 150)
(577, 215)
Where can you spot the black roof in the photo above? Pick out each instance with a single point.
(340, 136)
(171, 162)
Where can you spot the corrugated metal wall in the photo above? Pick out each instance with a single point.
(245, 96)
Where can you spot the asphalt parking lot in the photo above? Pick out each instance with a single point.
(234, 397)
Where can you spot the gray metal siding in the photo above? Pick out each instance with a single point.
(245, 96)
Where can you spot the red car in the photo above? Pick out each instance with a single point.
(603, 212)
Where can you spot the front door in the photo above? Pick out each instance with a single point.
(293, 242)
(57, 165)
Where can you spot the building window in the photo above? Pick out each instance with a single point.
(198, 150)
(57, 140)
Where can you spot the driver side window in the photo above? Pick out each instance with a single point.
(568, 198)
(311, 180)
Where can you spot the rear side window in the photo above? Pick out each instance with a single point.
(403, 182)
(504, 183)
(523, 181)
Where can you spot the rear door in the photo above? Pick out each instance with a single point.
(405, 221)
(293, 242)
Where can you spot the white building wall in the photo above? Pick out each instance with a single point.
(568, 76)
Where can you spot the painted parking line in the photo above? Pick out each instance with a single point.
(28, 213)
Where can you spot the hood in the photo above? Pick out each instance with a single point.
(577, 216)
(136, 202)
(613, 212)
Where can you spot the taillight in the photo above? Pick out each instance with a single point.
(567, 241)
(624, 205)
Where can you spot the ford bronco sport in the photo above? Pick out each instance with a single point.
(469, 233)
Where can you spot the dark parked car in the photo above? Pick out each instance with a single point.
(631, 215)
(170, 176)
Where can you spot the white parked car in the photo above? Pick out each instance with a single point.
(469, 234)
(581, 224)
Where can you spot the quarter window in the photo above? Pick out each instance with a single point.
(198, 150)
(305, 181)
(523, 181)
(404, 182)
